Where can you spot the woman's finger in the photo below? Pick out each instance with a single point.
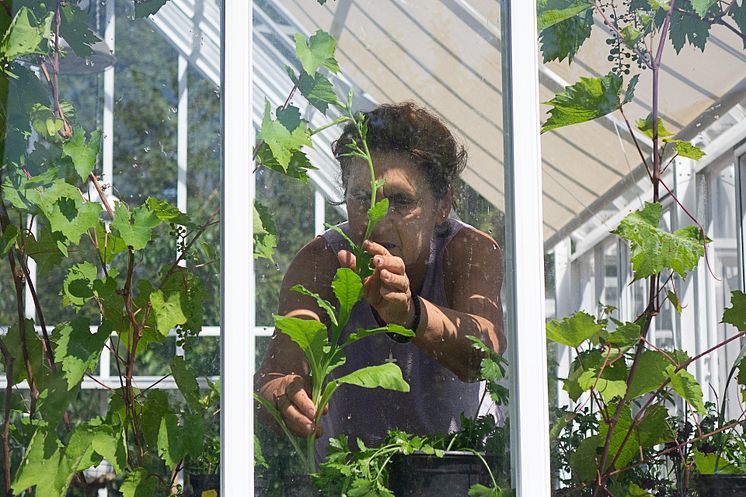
(394, 296)
(374, 248)
(297, 423)
(390, 262)
(397, 282)
(347, 259)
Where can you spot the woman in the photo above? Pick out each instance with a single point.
(432, 274)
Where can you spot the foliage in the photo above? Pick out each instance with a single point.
(620, 438)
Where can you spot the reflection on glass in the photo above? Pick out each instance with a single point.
(403, 258)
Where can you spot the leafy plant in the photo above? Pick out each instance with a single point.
(623, 384)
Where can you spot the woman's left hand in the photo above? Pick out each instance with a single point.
(387, 289)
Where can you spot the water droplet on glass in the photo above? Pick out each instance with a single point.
(173, 110)
(146, 149)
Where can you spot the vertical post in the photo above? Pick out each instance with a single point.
(182, 143)
(237, 270)
(525, 268)
(107, 153)
(564, 307)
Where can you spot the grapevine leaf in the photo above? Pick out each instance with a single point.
(8, 239)
(78, 348)
(169, 213)
(741, 377)
(265, 233)
(564, 39)
(110, 445)
(109, 245)
(686, 385)
(297, 168)
(168, 311)
(646, 126)
(135, 229)
(675, 301)
(651, 373)
(659, 4)
(736, 314)
(630, 36)
(318, 90)
(169, 440)
(702, 6)
(654, 250)
(281, 141)
(624, 335)
(627, 449)
(711, 463)
(317, 52)
(44, 466)
(608, 388)
(348, 288)
(33, 345)
(586, 100)
(550, 13)
(386, 376)
(74, 29)
(25, 35)
(686, 149)
(144, 8)
(77, 289)
(654, 428)
(688, 28)
(154, 407)
(573, 330)
(192, 293)
(738, 13)
(139, 483)
(186, 381)
(584, 462)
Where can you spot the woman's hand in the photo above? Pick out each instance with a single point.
(387, 289)
(290, 397)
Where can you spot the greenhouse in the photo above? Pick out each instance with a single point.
(392, 248)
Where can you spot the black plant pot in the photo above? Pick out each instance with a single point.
(204, 483)
(422, 475)
(301, 486)
(721, 485)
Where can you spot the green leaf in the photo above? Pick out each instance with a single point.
(378, 210)
(654, 250)
(169, 440)
(646, 126)
(586, 100)
(624, 335)
(627, 449)
(686, 149)
(25, 35)
(608, 388)
(168, 311)
(479, 490)
(47, 251)
(550, 16)
(144, 8)
(44, 466)
(389, 328)
(297, 168)
(317, 52)
(702, 6)
(573, 330)
(139, 483)
(109, 245)
(33, 345)
(713, 463)
(348, 288)
(309, 334)
(168, 213)
(659, 4)
(77, 348)
(186, 381)
(736, 314)
(584, 462)
(8, 239)
(564, 39)
(738, 13)
(630, 36)
(675, 301)
(322, 303)
(651, 373)
(77, 289)
(281, 141)
(654, 428)
(265, 233)
(109, 443)
(386, 376)
(317, 89)
(74, 29)
(688, 28)
(686, 385)
(136, 229)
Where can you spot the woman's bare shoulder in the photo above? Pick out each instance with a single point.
(470, 242)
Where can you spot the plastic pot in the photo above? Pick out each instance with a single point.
(721, 485)
(422, 475)
(205, 483)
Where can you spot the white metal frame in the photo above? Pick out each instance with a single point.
(525, 280)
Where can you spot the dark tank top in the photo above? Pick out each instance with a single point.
(436, 398)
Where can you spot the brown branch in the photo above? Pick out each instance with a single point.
(6, 415)
(636, 142)
(102, 196)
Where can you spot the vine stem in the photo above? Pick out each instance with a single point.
(6, 415)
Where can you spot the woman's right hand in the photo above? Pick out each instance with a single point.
(290, 397)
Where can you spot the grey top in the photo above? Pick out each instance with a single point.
(436, 398)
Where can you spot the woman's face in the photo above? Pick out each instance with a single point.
(413, 209)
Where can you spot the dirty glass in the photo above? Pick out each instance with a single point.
(437, 68)
(109, 215)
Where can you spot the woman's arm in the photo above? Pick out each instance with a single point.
(283, 375)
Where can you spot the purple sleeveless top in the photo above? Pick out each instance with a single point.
(436, 398)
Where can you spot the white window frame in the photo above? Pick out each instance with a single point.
(524, 280)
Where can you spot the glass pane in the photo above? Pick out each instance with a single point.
(109, 223)
(428, 78)
(656, 226)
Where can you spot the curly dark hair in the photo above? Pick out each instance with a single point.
(408, 129)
